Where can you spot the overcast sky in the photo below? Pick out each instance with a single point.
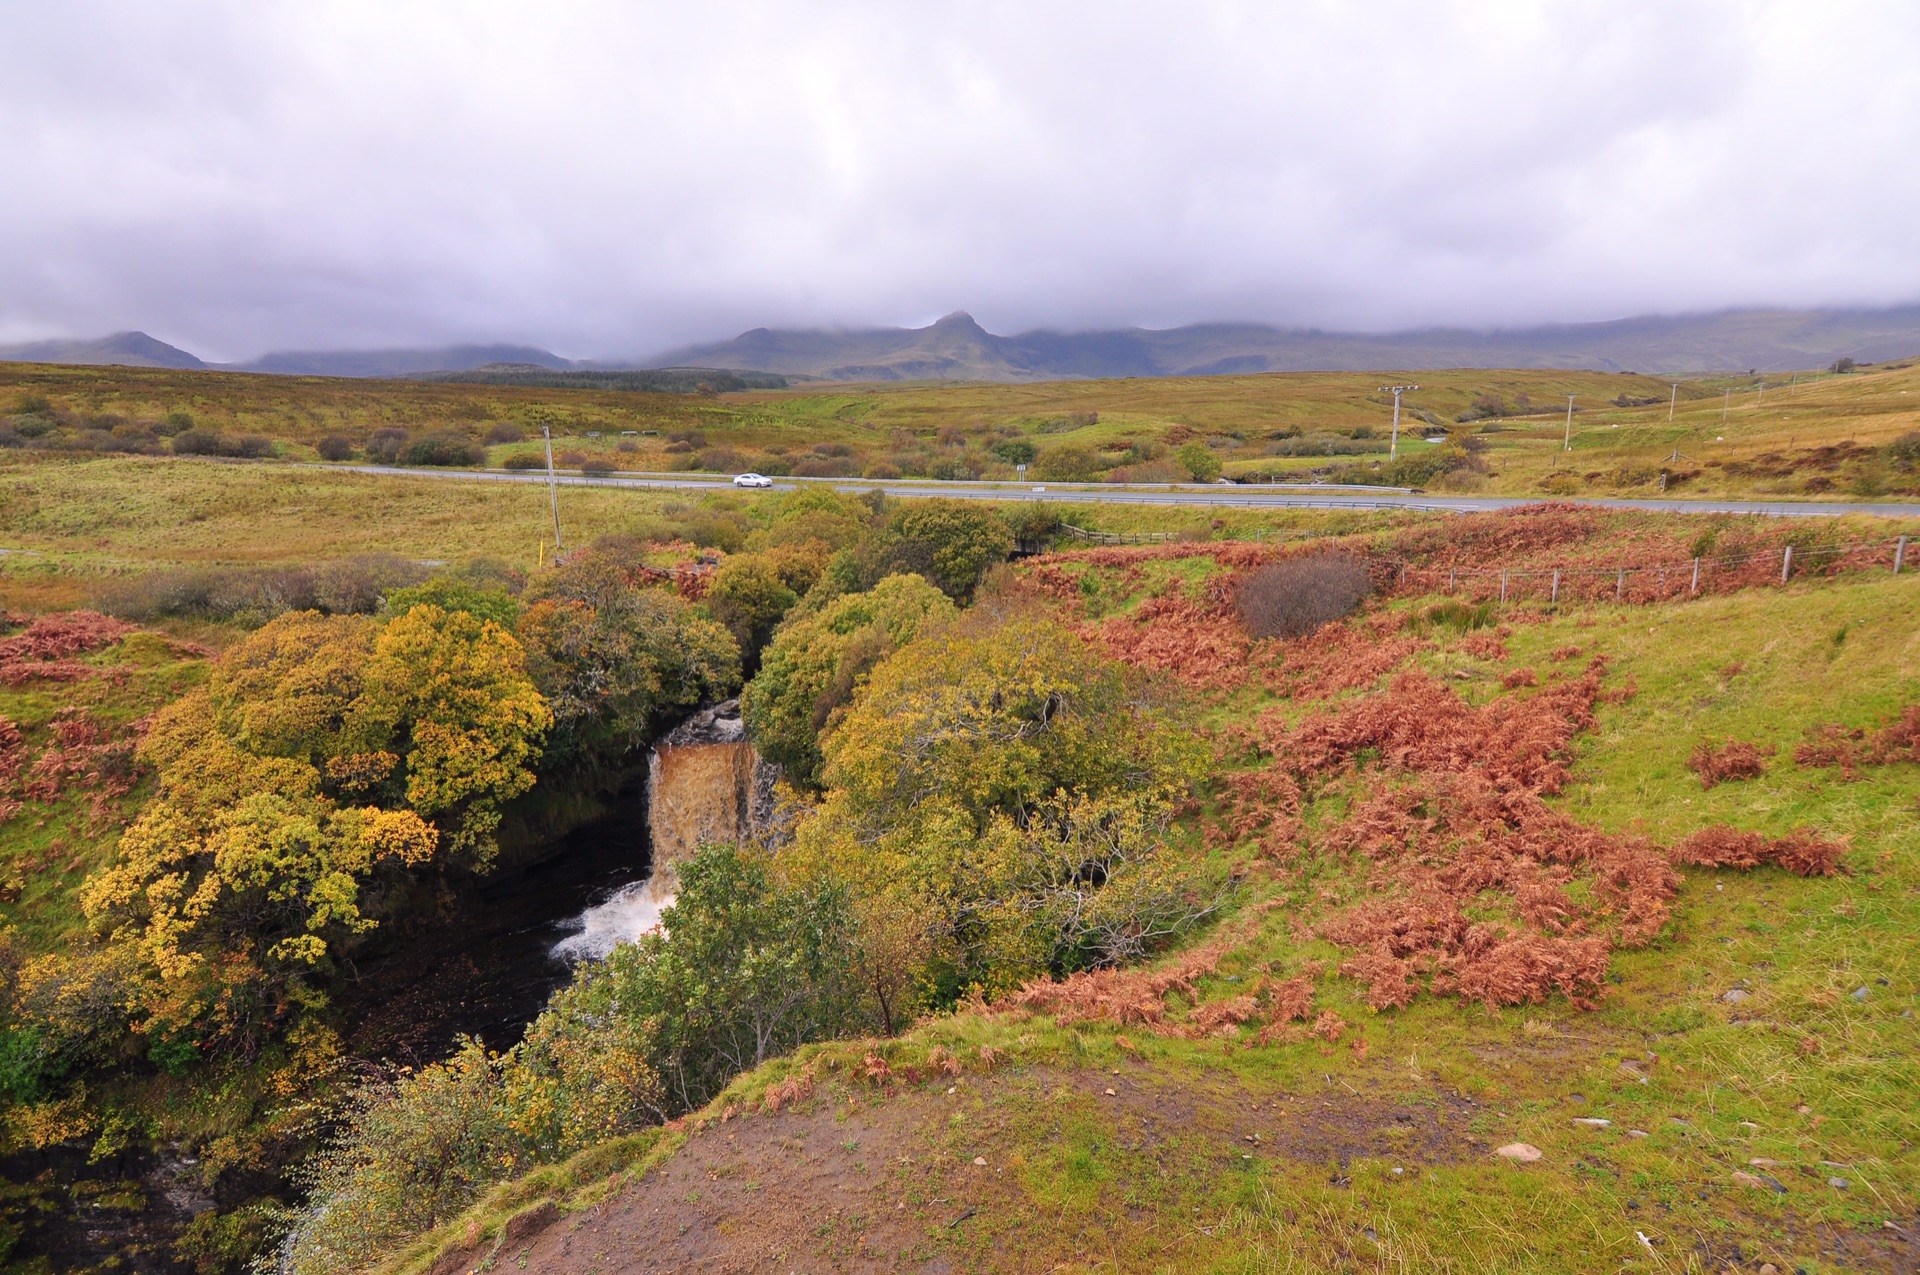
(610, 179)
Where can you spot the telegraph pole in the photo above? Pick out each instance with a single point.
(1570, 399)
(1393, 448)
(553, 487)
(1673, 402)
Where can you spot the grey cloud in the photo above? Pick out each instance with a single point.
(616, 178)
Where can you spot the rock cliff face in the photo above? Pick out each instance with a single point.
(705, 783)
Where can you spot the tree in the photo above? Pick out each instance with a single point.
(996, 804)
(1068, 463)
(610, 655)
(950, 542)
(749, 597)
(745, 970)
(813, 666)
(325, 753)
(1199, 461)
(451, 593)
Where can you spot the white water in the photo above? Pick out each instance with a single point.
(623, 917)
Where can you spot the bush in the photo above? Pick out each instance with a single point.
(996, 802)
(1293, 597)
(1904, 451)
(504, 432)
(1068, 464)
(599, 467)
(748, 596)
(175, 422)
(31, 404)
(881, 469)
(950, 542)
(334, 447)
(611, 657)
(827, 467)
(197, 442)
(525, 460)
(1016, 451)
(451, 594)
(254, 595)
(446, 449)
(385, 445)
(810, 671)
(1843, 366)
(1199, 461)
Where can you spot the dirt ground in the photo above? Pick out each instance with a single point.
(898, 1184)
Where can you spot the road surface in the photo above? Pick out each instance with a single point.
(1276, 496)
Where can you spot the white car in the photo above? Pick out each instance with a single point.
(752, 480)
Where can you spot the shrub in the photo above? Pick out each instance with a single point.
(452, 594)
(950, 542)
(1736, 760)
(443, 449)
(525, 460)
(1842, 366)
(826, 467)
(334, 447)
(1904, 451)
(881, 469)
(610, 657)
(385, 445)
(996, 802)
(599, 467)
(1016, 451)
(175, 422)
(251, 446)
(1199, 461)
(504, 432)
(197, 442)
(748, 596)
(1295, 596)
(1068, 463)
(811, 669)
(31, 404)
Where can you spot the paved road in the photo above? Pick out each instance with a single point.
(1280, 496)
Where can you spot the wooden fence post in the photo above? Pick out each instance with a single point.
(1620, 585)
(1503, 586)
(1556, 586)
(1899, 555)
(1693, 590)
(1450, 574)
(1786, 563)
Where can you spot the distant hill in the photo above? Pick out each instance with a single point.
(449, 358)
(123, 349)
(663, 380)
(957, 348)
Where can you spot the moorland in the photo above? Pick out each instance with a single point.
(1514, 891)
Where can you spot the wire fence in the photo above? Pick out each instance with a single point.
(1648, 582)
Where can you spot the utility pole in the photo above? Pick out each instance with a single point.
(1570, 399)
(553, 487)
(1673, 401)
(1762, 393)
(1393, 448)
(1726, 405)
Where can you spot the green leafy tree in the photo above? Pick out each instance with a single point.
(744, 971)
(815, 664)
(450, 593)
(950, 542)
(1197, 459)
(997, 803)
(1068, 463)
(749, 597)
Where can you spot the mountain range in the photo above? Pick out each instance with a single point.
(957, 348)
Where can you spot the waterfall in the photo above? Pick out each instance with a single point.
(705, 783)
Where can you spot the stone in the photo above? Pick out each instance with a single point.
(1519, 1151)
(1733, 996)
(1838, 1184)
(1861, 993)
(1638, 1133)
(1593, 1122)
(980, 1160)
